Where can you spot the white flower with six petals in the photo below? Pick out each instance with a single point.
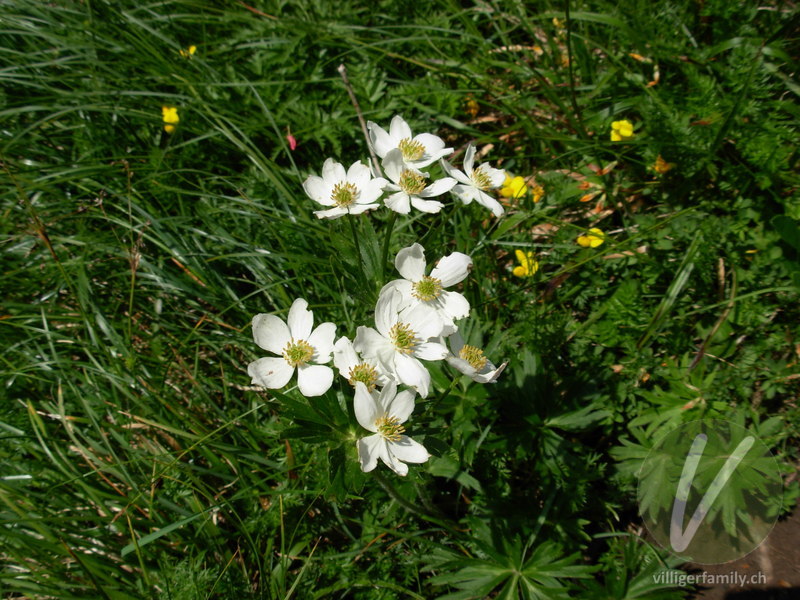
(416, 152)
(298, 348)
(410, 188)
(384, 414)
(473, 183)
(351, 192)
(429, 290)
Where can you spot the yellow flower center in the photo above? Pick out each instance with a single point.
(474, 356)
(481, 179)
(365, 373)
(411, 149)
(426, 289)
(298, 352)
(403, 338)
(411, 182)
(344, 194)
(390, 428)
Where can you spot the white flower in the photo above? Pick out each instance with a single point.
(298, 347)
(384, 414)
(351, 367)
(416, 151)
(352, 192)
(473, 183)
(429, 290)
(471, 361)
(410, 188)
(401, 340)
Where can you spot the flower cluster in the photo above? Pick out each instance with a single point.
(415, 321)
(404, 183)
(415, 317)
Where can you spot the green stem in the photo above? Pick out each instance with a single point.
(385, 253)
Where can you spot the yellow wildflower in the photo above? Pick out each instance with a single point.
(527, 264)
(170, 116)
(621, 130)
(537, 193)
(471, 107)
(513, 187)
(189, 52)
(661, 166)
(592, 239)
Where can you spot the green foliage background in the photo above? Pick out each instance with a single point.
(136, 460)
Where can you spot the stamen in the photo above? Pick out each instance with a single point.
(426, 289)
(411, 182)
(403, 338)
(390, 428)
(411, 149)
(298, 352)
(344, 194)
(365, 373)
(474, 356)
(481, 179)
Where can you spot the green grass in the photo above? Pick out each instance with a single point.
(137, 460)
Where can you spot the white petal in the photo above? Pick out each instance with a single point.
(408, 450)
(270, 372)
(456, 343)
(318, 190)
(332, 213)
(344, 356)
(438, 187)
(399, 203)
(369, 342)
(371, 190)
(405, 288)
(430, 351)
(426, 206)
(368, 452)
(455, 173)
(367, 407)
(452, 268)
(386, 310)
(333, 172)
(322, 341)
(300, 320)
(410, 262)
(412, 373)
(358, 174)
(390, 461)
(454, 305)
(386, 397)
(270, 333)
(489, 373)
(381, 142)
(314, 380)
(399, 129)
(461, 365)
(465, 193)
(393, 164)
(469, 158)
(401, 406)
(424, 320)
(361, 208)
(496, 176)
(493, 205)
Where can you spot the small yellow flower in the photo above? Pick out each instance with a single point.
(171, 118)
(527, 264)
(537, 193)
(592, 239)
(189, 52)
(513, 187)
(661, 166)
(621, 130)
(471, 107)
